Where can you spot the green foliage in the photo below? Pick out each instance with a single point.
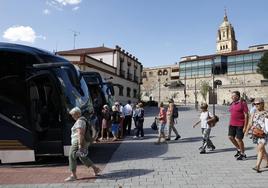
(263, 65)
(204, 89)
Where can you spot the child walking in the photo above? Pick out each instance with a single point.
(205, 128)
(162, 117)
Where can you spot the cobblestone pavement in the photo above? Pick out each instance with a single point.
(141, 163)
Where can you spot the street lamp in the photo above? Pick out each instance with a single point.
(159, 88)
(185, 95)
(213, 89)
(195, 94)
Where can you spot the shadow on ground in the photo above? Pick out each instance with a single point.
(227, 150)
(123, 174)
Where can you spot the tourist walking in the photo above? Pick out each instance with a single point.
(257, 121)
(79, 146)
(162, 120)
(205, 128)
(238, 123)
(171, 120)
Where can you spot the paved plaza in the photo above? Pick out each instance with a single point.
(141, 163)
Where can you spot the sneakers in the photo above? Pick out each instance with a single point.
(167, 139)
(177, 137)
(212, 148)
(241, 157)
(202, 151)
(237, 154)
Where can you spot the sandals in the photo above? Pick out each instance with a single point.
(96, 171)
(256, 169)
(70, 178)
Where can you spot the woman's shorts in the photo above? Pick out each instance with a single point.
(115, 128)
(161, 128)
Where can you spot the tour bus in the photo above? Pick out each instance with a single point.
(101, 92)
(37, 90)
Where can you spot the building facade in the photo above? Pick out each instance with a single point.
(229, 68)
(160, 83)
(115, 65)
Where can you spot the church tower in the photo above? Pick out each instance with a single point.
(226, 41)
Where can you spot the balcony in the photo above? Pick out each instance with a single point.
(136, 79)
(129, 76)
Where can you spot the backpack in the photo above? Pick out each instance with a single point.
(88, 131)
(175, 113)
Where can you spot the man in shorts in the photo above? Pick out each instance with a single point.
(238, 124)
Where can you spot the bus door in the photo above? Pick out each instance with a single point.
(45, 113)
(16, 136)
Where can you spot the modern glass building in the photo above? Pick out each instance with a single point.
(236, 62)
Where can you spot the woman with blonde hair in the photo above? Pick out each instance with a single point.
(257, 121)
(79, 145)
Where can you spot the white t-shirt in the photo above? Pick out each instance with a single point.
(204, 118)
(127, 110)
(78, 124)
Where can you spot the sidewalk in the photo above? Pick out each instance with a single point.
(140, 163)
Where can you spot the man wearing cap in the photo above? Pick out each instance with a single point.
(170, 120)
(238, 124)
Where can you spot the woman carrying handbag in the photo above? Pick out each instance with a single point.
(259, 132)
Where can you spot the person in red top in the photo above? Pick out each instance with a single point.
(162, 117)
(238, 124)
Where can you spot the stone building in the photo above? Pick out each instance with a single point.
(160, 83)
(233, 70)
(114, 64)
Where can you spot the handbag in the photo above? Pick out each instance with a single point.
(211, 121)
(154, 126)
(258, 133)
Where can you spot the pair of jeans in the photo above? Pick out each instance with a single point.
(73, 158)
(127, 124)
(139, 128)
(206, 140)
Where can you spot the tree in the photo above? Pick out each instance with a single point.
(204, 89)
(263, 65)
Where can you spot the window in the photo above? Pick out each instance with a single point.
(134, 93)
(226, 46)
(223, 34)
(165, 72)
(151, 73)
(128, 92)
(121, 91)
(159, 72)
(144, 75)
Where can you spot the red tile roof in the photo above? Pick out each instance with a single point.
(82, 51)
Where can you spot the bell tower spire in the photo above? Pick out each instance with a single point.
(226, 41)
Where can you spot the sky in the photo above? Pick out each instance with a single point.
(157, 32)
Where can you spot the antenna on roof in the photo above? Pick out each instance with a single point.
(75, 34)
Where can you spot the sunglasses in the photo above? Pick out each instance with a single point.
(257, 103)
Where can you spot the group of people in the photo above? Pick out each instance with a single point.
(242, 121)
(119, 121)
